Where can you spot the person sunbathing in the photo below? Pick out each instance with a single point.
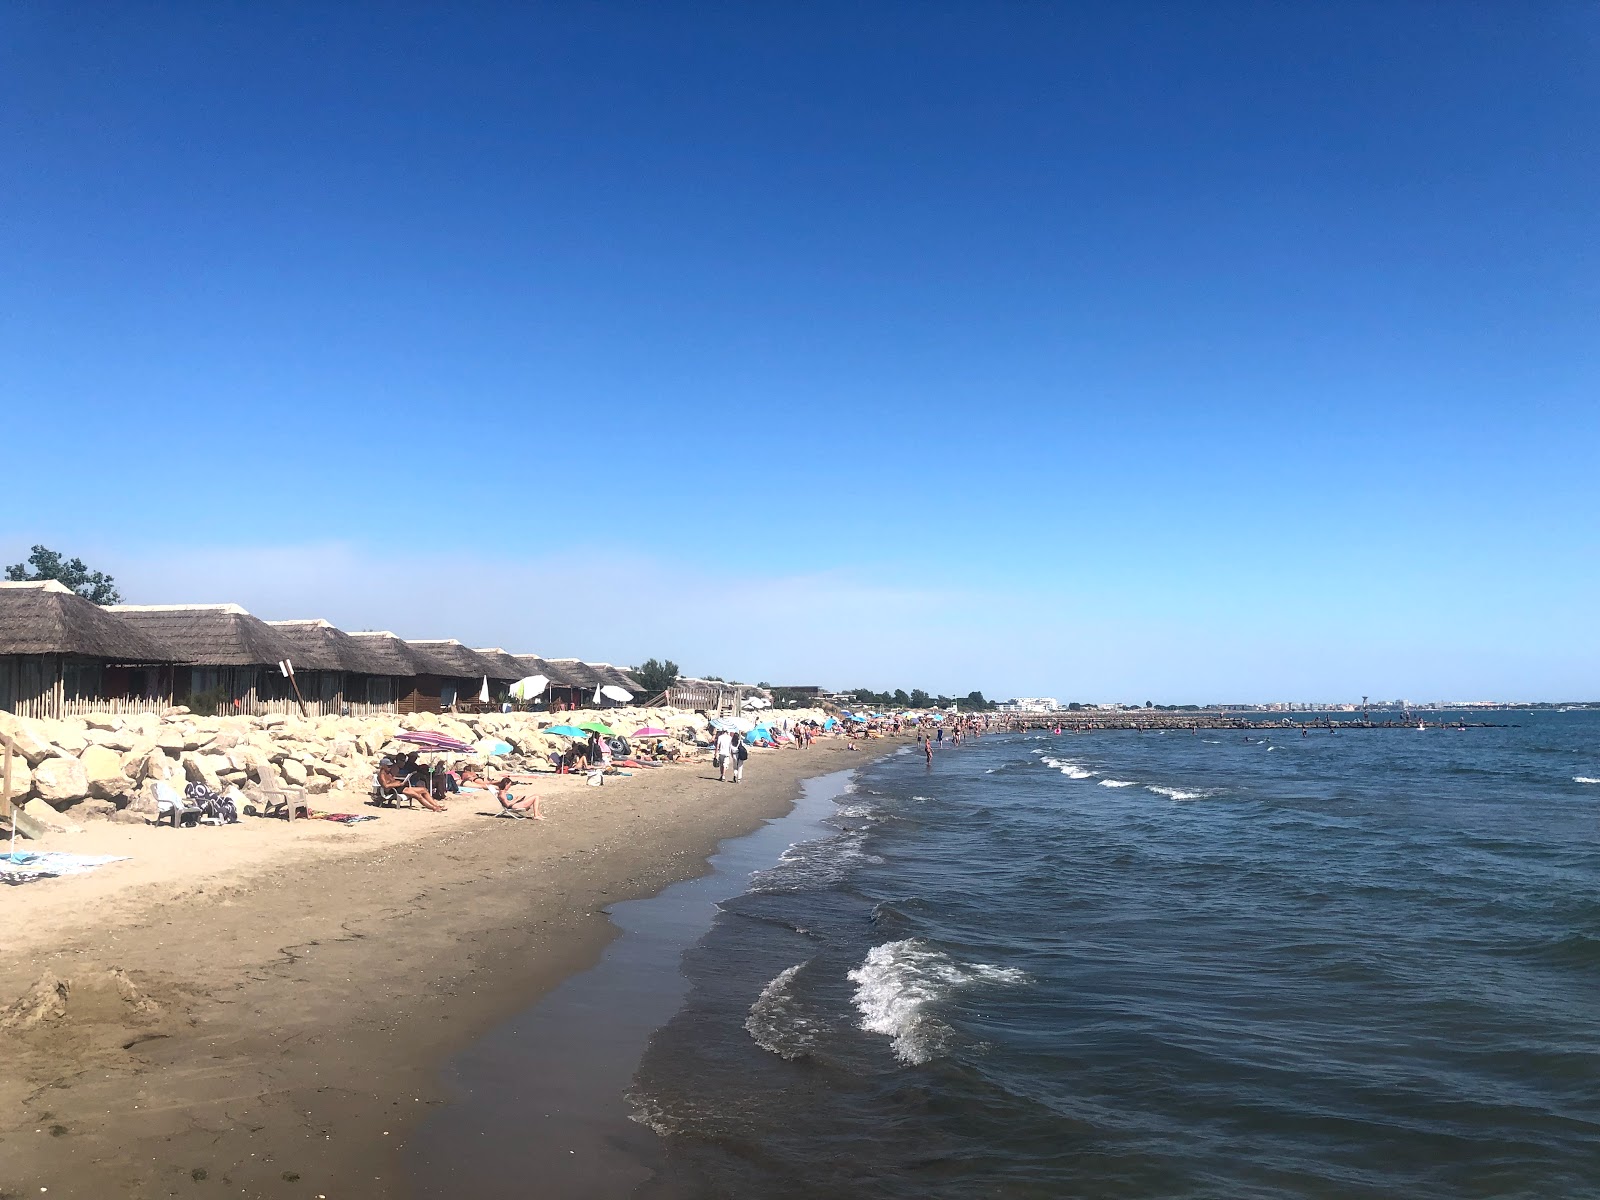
(392, 780)
(510, 806)
(472, 779)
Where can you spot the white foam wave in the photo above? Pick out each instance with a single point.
(1584, 779)
(1069, 768)
(898, 981)
(859, 811)
(778, 1021)
(1119, 783)
(812, 866)
(1179, 793)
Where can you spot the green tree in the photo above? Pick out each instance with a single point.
(655, 676)
(975, 702)
(95, 586)
(920, 698)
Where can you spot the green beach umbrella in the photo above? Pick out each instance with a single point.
(599, 727)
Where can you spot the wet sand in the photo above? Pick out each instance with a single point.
(239, 1010)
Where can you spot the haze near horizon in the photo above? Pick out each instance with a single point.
(1109, 351)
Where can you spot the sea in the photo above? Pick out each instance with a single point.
(1230, 964)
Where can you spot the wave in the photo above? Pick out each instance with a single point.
(815, 866)
(778, 1020)
(1179, 793)
(1584, 779)
(1119, 783)
(1069, 768)
(897, 983)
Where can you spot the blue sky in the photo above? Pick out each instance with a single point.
(1111, 351)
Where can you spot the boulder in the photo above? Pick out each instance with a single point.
(272, 721)
(28, 737)
(318, 785)
(102, 767)
(201, 768)
(225, 740)
(170, 737)
(116, 739)
(61, 781)
(21, 777)
(94, 809)
(294, 771)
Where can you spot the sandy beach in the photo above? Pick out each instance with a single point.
(263, 1009)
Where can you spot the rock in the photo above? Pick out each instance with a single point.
(170, 737)
(226, 739)
(272, 721)
(201, 768)
(61, 781)
(194, 739)
(294, 771)
(28, 738)
(96, 810)
(116, 739)
(103, 721)
(21, 777)
(318, 785)
(102, 767)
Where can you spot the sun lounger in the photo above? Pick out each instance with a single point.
(276, 798)
(169, 804)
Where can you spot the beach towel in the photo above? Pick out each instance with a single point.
(25, 866)
(347, 818)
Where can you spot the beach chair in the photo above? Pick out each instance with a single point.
(385, 797)
(275, 798)
(169, 804)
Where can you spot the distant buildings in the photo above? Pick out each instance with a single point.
(1031, 704)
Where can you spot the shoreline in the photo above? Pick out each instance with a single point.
(243, 1027)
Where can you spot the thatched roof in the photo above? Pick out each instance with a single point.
(48, 618)
(454, 661)
(532, 664)
(510, 668)
(572, 673)
(319, 646)
(617, 676)
(207, 635)
(382, 653)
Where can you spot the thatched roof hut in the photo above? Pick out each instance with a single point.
(46, 617)
(574, 673)
(454, 661)
(384, 653)
(617, 677)
(510, 668)
(207, 635)
(320, 646)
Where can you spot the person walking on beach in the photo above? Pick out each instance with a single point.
(741, 752)
(722, 749)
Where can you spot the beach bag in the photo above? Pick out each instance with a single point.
(741, 752)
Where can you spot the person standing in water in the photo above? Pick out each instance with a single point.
(927, 749)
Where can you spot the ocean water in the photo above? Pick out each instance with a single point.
(1132, 965)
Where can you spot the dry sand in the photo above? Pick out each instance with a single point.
(263, 1009)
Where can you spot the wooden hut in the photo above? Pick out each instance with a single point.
(388, 675)
(572, 683)
(60, 656)
(331, 668)
(226, 660)
(461, 671)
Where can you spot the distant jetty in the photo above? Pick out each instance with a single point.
(1088, 722)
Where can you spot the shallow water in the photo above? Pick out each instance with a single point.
(1158, 965)
(1107, 965)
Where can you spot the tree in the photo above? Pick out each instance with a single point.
(975, 702)
(920, 699)
(656, 677)
(1149, 704)
(95, 586)
(900, 698)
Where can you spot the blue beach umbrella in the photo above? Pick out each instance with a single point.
(565, 731)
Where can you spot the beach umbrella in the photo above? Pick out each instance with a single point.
(597, 696)
(599, 727)
(829, 723)
(483, 692)
(436, 741)
(563, 731)
(612, 692)
(527, 689)
(650, 731)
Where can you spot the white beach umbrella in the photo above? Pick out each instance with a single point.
(612, 692)
(483, 692)
(527, 689)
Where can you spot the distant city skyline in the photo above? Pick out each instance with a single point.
(1119, 350)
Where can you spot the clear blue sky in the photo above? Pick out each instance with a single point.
(1113, 351)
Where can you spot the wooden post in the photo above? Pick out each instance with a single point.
(5, 784)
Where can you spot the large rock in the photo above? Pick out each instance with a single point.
(170, 737)
(202, 768)
(102, 767)
(116, 739)
(61, 781)
(27, 737)
(21, 777)
(294, 771)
